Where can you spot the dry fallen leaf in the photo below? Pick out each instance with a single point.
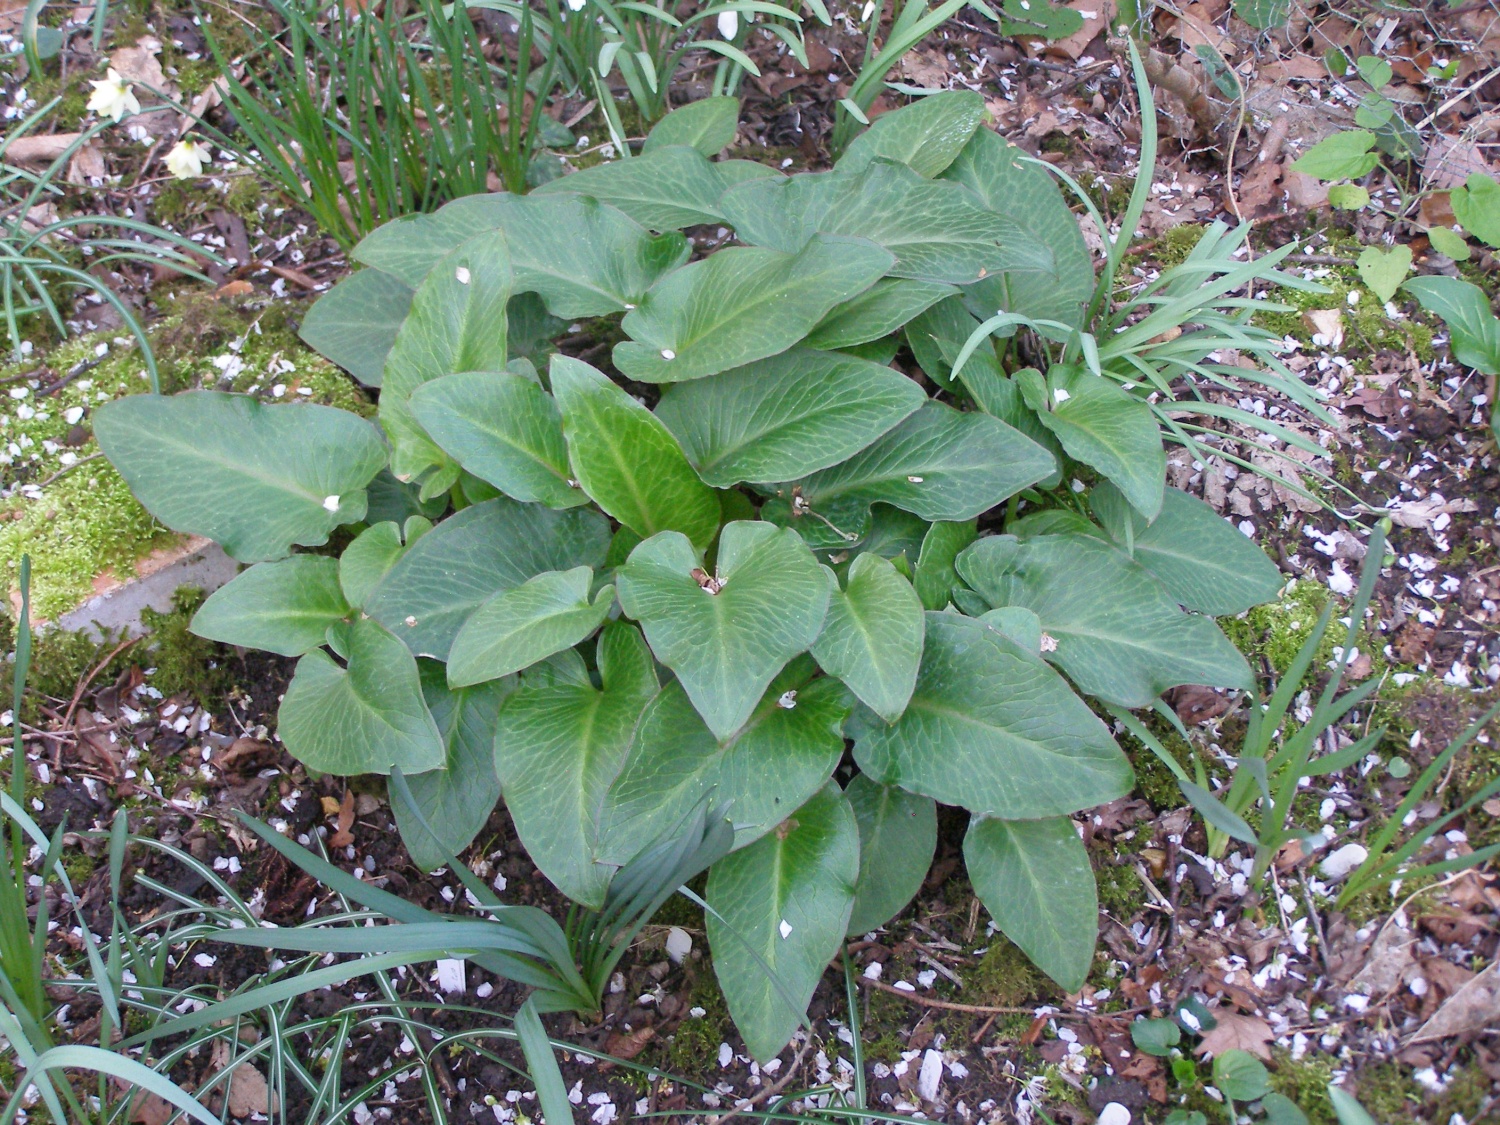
(39, 150)
(249, 1094)
(1327, 327)
(1237, 1031)
(87, 165)
(1389, 957)
(141, 64)
(1472, 1007)
(342, 837)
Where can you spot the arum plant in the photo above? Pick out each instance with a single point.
(771, 526)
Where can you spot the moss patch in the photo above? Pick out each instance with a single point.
(1005, 977)
(1305, 1083)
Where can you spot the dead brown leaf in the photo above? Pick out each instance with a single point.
(342, 837)
(39, 150)
(1097, 16)
(141, 64)
(1237, 1031)
(1472, 1007)
(1389, 957)
(249, 1095)
(87, 165)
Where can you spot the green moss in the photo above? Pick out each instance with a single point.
(1120, 888)
(1005, 977)
(1279, 629)
(1305, 1082)
(1387, 1092)
(692, 1050)
(78, 865)
(185, 663)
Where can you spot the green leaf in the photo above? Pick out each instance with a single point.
(1039, 18)
(926, 136)
(1344, 156)
(1057, 287)
(935, 577)
(1217, 814)
(255, 479)
(776, 761)
(1118, 633)
(897, 840)
(939, 464)
(626, 460)
(708, 125)
(938, 230)
(368, 560)
(505, 430)
(1156, 1037)
(785, 417)
(994, 729)
(780, 910)
(1476, 206)
(516, 628)
(1449, 243)
(1034, 878)
(1241, 1076)
(364, 718)
(669, 188)
(938, 335)
(284, 607)
(740, 305)
(726, 636)
(455, 800)
(1263, 14)
(877, 312)
(355, 323)
(1465, 309)
(457, 323)
(1203, 560)
(1281, 1110)
(872, 636)
(1384, 270)
(1350, 197)
(471, 556)
(559, 745)
(1349, 1111)
(552, 1094)
(1110, 429)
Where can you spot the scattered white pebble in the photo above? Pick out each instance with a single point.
(1343, 860)
(1114, 1114)
(679, 944)
(726, 1055)
(930, 1077)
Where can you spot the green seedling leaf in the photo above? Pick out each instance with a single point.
(669, 188)
(877, 312)
(1465, 309)
(1348, 197)
(1384, 270)
(994, 170)
(1281, 1110)
(559, 745)
(707, 125)
(1449, 243)
(355, 323)
(1476, 206)
(1241, 1076)
(505, 430)
(1156, 1037)
(785, 417)
(780, 910)
(262, 477)
(1109, 428)
(284, 607)
(1348, 1110)
(741, 305)
(926, 136)
(897, 840)
(1039, 18)
(626, 460)
(1217, 814)
(726, 635)
(935, 578)
(994, 729)
(776, 761)
(470, 557)
(517, 628)
(872, 636)
(1201, 558)
(367, 560)
(1034, 878)
(1376, 72)
(1118, 634)
(1344, 156)
(363, 718)
(457, 799)
(1194, 1015)
(1186, 1074)
(457, 323)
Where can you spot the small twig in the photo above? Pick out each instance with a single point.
(83, 686)
(1312, 912)
(70, 468)
(1456, 98)
(769, 1092)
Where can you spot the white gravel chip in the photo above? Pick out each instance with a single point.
(930, 1077)
(679, 944)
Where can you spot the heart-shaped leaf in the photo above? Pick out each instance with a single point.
(780, 910)
(1346, 155)
(559, 744)
(777, 760)
(1476, 206)
(473, 555)
(994, 729)
(1117, 633)
(1465, 309)
(355, 323)
(878, 311)
(516, 628)
(785, 417)
(741, 305)
(926, 136)
(872, 636)
(262, 477)
(707, 124)
(897, 840)
(457, 799)
(363, 718)
(1104, 426)
(1034, 878)
(626, 460)
(505, 430)
(284, 607)
(1384, 270)
(367, 560)
(726, 635)
(935, 577)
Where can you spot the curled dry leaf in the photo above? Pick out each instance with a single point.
(1237, 1031)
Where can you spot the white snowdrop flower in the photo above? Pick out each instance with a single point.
(331, 503)
(463, 275)
(112, 97)
(729, 24)
(786, 929)
(576, 5)
(185, 159)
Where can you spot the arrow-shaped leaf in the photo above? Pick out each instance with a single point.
(284, 607)
(872, 636)
(516, 628)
